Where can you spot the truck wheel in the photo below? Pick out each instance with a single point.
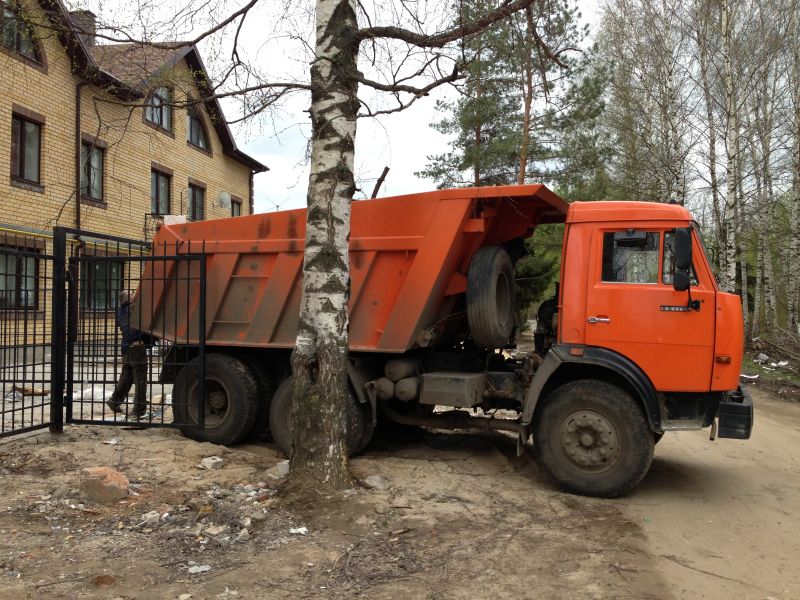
(231, 400)
(265, 391)
(593, 439)
(491, 297)
(279, 415)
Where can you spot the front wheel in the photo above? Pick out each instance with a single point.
(231, 402)
(593, 439)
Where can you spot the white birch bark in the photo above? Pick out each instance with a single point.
(755, 328)
(703, 63)
(728, 272)
(793, 287)
(319, 360)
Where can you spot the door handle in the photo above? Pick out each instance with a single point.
(599, 320)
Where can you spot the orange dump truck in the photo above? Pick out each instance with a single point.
(638, 340)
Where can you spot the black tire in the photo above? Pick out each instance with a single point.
(370, 424)
(491, 297)
(358, 431)
(265, 390)
(231, 404)
(657, 437)
(593, 439)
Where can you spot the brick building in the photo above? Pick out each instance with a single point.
(106, 138)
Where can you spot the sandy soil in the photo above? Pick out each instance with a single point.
(463, 518)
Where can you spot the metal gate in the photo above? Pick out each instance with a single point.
(28, 303)
(63, 354)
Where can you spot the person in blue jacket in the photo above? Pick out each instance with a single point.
(134, 360)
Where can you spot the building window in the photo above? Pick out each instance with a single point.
(630, 257)
(19, 273)
(159, 111)
(236, 208)
(17, 35)
(159, 193)
(101, 283)
(195, 132)
(26, 144)
(197, 203)
(92, 163)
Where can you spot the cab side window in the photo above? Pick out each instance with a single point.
(668, 267)
(630, 257)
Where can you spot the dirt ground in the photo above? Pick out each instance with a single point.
(462, 517)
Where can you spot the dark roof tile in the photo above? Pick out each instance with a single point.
(134, 64)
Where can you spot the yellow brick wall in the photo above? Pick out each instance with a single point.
(132, 147)
(53, 96)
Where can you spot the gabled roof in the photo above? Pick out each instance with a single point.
(128, 71)
(136, 64)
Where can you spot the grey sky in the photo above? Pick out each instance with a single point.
(274, 42)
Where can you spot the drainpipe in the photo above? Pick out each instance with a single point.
(78, 142)
(252, 193)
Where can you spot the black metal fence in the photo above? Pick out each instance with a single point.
(26, 340)
(100, 329)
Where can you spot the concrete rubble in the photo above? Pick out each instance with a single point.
(212, 462)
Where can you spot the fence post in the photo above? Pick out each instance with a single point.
(58, 331)
(201, 338)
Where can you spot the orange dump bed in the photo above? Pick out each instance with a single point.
(409, 257)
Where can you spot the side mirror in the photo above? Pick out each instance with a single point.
(683, 249)
(681, 280)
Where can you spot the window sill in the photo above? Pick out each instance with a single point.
(158, 127)
(97, 312)
(21, 314)
(205, 151)
(27, 185)
(94, 202)
(32, 63)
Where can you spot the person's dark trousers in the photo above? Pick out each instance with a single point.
(134, 372)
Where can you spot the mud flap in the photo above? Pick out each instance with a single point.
(736, 415)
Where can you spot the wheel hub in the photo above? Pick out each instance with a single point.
(216, 407)
(217, 402)
(590, 440)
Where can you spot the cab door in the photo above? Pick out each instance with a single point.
(632, 308)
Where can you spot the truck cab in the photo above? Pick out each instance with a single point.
(618, 293)
(639, 316)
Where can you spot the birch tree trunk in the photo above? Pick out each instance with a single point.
(765, 132)
(728, 272)
(794, 253)
(319, 367)
(719, 225)
(741, 250)
(756, 325)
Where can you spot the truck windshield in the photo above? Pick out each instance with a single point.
(711, 264)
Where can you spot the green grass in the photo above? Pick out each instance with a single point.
(775, 376)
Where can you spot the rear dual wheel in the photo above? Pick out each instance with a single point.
(593, 439)
(360, 425)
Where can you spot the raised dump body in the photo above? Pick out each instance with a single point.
(409, 259)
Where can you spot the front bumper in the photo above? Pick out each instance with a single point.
(735, 415)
